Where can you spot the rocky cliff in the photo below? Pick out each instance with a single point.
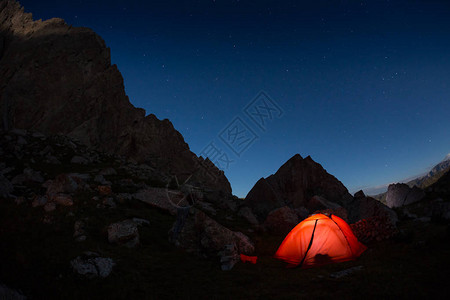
(55, 78)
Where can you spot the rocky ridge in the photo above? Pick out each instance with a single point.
(86, 99)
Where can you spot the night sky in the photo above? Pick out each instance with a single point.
(362, 87)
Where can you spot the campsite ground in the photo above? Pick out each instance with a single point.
(35, 258)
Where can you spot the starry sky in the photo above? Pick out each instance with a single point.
(363, 87)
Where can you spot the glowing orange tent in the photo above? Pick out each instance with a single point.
(319, 240)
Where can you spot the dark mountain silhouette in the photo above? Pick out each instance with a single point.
(58, 79)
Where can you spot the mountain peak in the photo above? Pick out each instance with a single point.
(74, 90)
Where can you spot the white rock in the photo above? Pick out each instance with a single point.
(93, 267)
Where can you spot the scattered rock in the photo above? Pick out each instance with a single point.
(229, 256)
(51, 206)
(63, 183)
(202, 235)
(363, 207)
(375, 228)
(91, 266)
(109, 203)
(108, 172)
(39, 201)
(99, 179)
(79, 160)
(7, 293)
(164, 199)
(104, 190)
(124, 233)
(63, 199)
(28, 175)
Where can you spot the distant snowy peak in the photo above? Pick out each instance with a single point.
(421, 181)
(447, 157)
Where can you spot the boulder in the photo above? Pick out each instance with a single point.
(91, 265)
(341, 212)
(101, 180)
(400, 194)
(104, 190)
(165, 199)
(229, 256)
(364, 207)
(124, 233)
(109, 203)
(63, 183)
(108, 171)
(28, 175)
(48, 207)
(281, 220)
(63, 200)
(201, 235)
(321, 205)
(7, 293)
(39, 201)
(79, 160)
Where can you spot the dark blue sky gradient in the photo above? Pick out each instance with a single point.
(365, 86)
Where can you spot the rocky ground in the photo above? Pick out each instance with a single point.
(77, 223)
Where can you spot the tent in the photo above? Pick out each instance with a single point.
(319, 240)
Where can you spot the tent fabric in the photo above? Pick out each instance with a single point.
(319, 240)
(250, 259)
